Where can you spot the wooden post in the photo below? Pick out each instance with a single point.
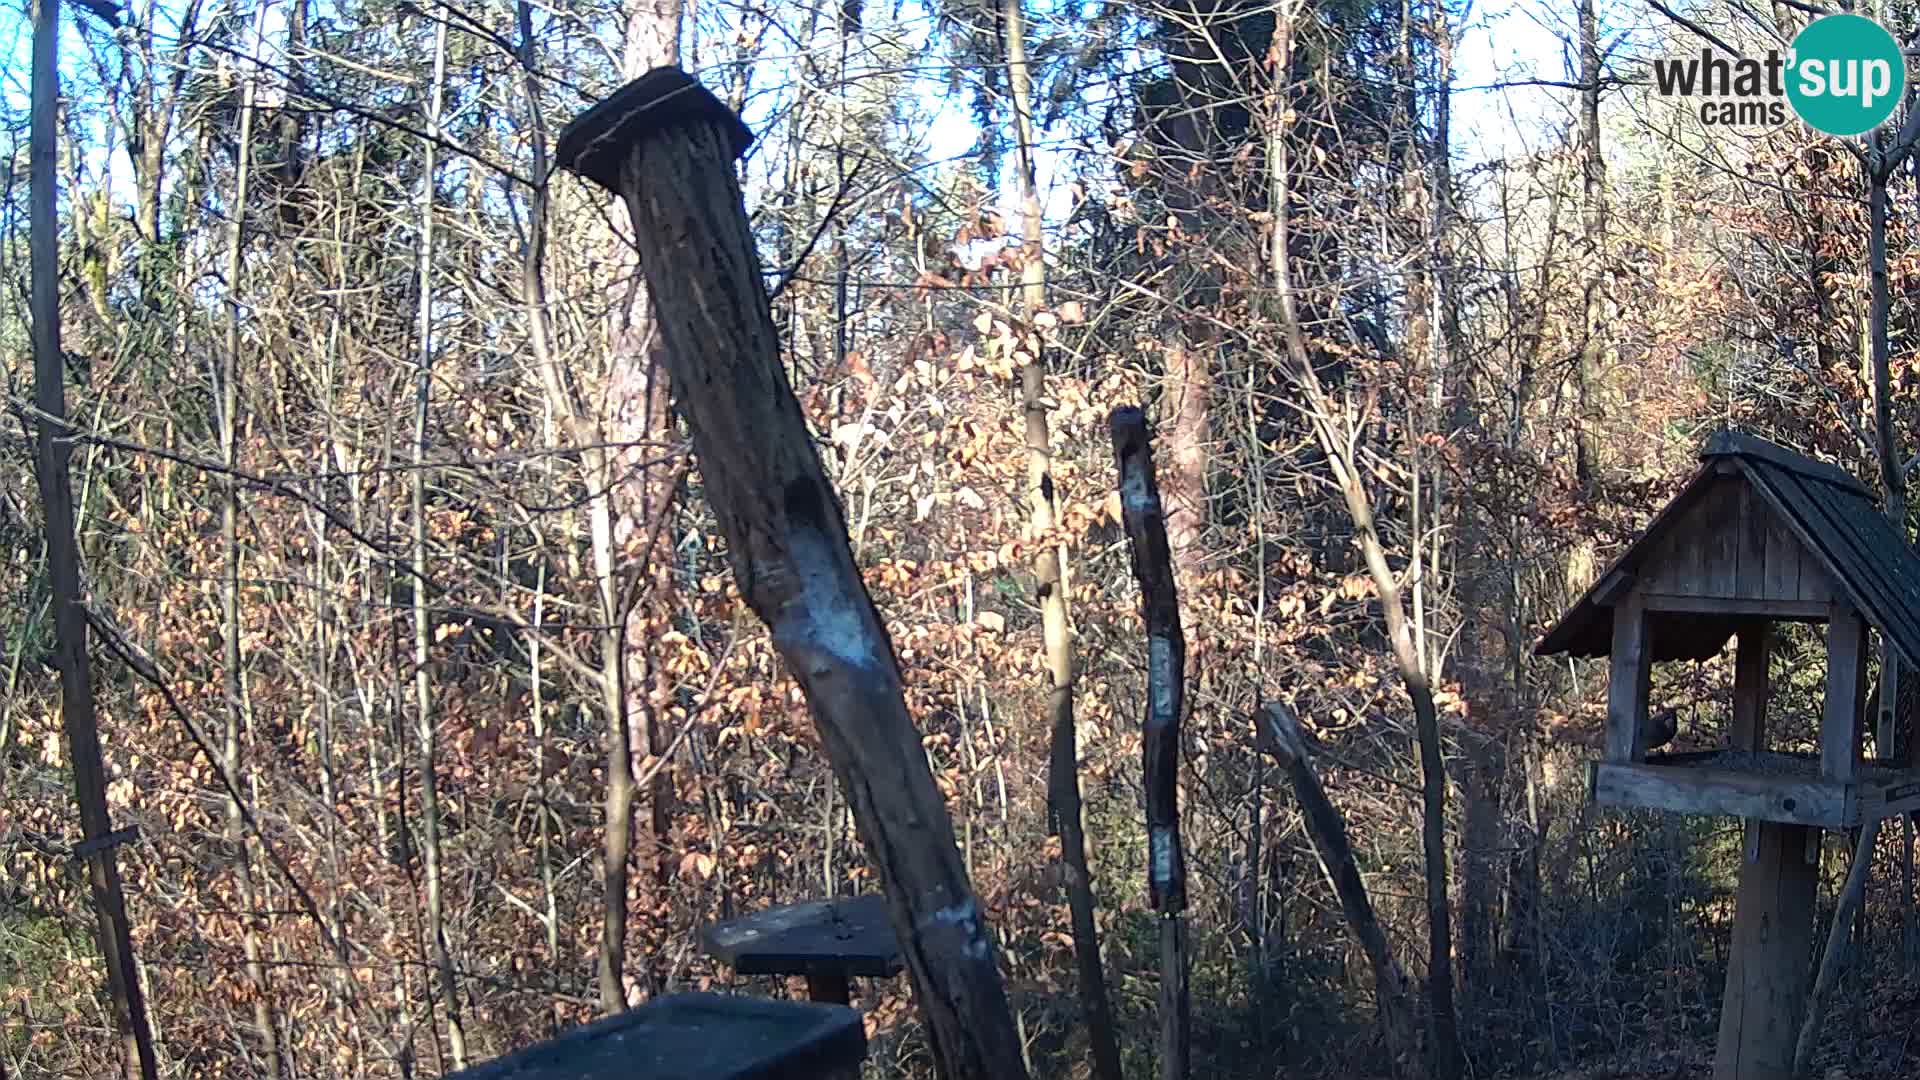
(1146, 526)
(667, 145)
(1886, 742)
(1767, 972)
(1750, 690)
(1629, 677)
(1840, 720)
(832, 989)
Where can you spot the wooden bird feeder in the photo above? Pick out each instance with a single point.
(1759, 535)
(828, 941)
(695, 1037)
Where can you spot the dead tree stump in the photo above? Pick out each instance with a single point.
(666, 145)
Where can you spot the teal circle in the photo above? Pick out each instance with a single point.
(1846, 75)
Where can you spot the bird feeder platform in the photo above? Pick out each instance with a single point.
(695, 1037)
(1760, 536)
(1760, 786)
(828, 941)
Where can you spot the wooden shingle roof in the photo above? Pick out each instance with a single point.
(1833, 516)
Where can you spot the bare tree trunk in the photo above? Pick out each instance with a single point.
(237, 719)
(1339, 446)
(1146, 526)
(424, 719)
(533, 285)
(1593, 227)
(1049, 569)
(633, 496)
(52, 462)
(1278, 733)
(1845, 907)
(787, 538)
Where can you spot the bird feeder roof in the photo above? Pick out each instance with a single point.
(1753, 501)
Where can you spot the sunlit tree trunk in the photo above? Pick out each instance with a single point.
(238, 723)
(1050, 569)
(425, 715)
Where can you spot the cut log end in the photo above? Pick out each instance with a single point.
(598, 142)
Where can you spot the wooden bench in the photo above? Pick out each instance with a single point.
(696, 1037)
(828, 941)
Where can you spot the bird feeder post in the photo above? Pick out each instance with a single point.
(1767, 968)
(1750, 688)
(1629, 676)
(1840, 726)
(666, 146)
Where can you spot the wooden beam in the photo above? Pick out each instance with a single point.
(1734, 605)
(1629, 676)
(1887, 737)
(1886, 800)
(1750, 689)
(1840, 719)
(1767, 972)
(1684, 790)
(1612, 588)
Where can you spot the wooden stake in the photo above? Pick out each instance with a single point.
(1767, 972)
(1146, 526)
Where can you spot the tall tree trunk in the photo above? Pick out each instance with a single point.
(1338, 439)
(635, 494)
(533, 285)
(1593, 227)
(424, 719)
(1050, 571)
(238, 721)
(52, 462)
(1186, 391)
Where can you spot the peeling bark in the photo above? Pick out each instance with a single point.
(787, 540)
(1146, 525)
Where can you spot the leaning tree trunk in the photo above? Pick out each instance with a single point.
(1278, 733)
(1146, 525)
(1050, 571)
(52, 460)
(665, 144)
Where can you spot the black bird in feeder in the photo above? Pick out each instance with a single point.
(1659, 729)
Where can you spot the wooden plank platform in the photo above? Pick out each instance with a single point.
(1686, 790)
(847, 936)
(1786, 788)
(695, 1037)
